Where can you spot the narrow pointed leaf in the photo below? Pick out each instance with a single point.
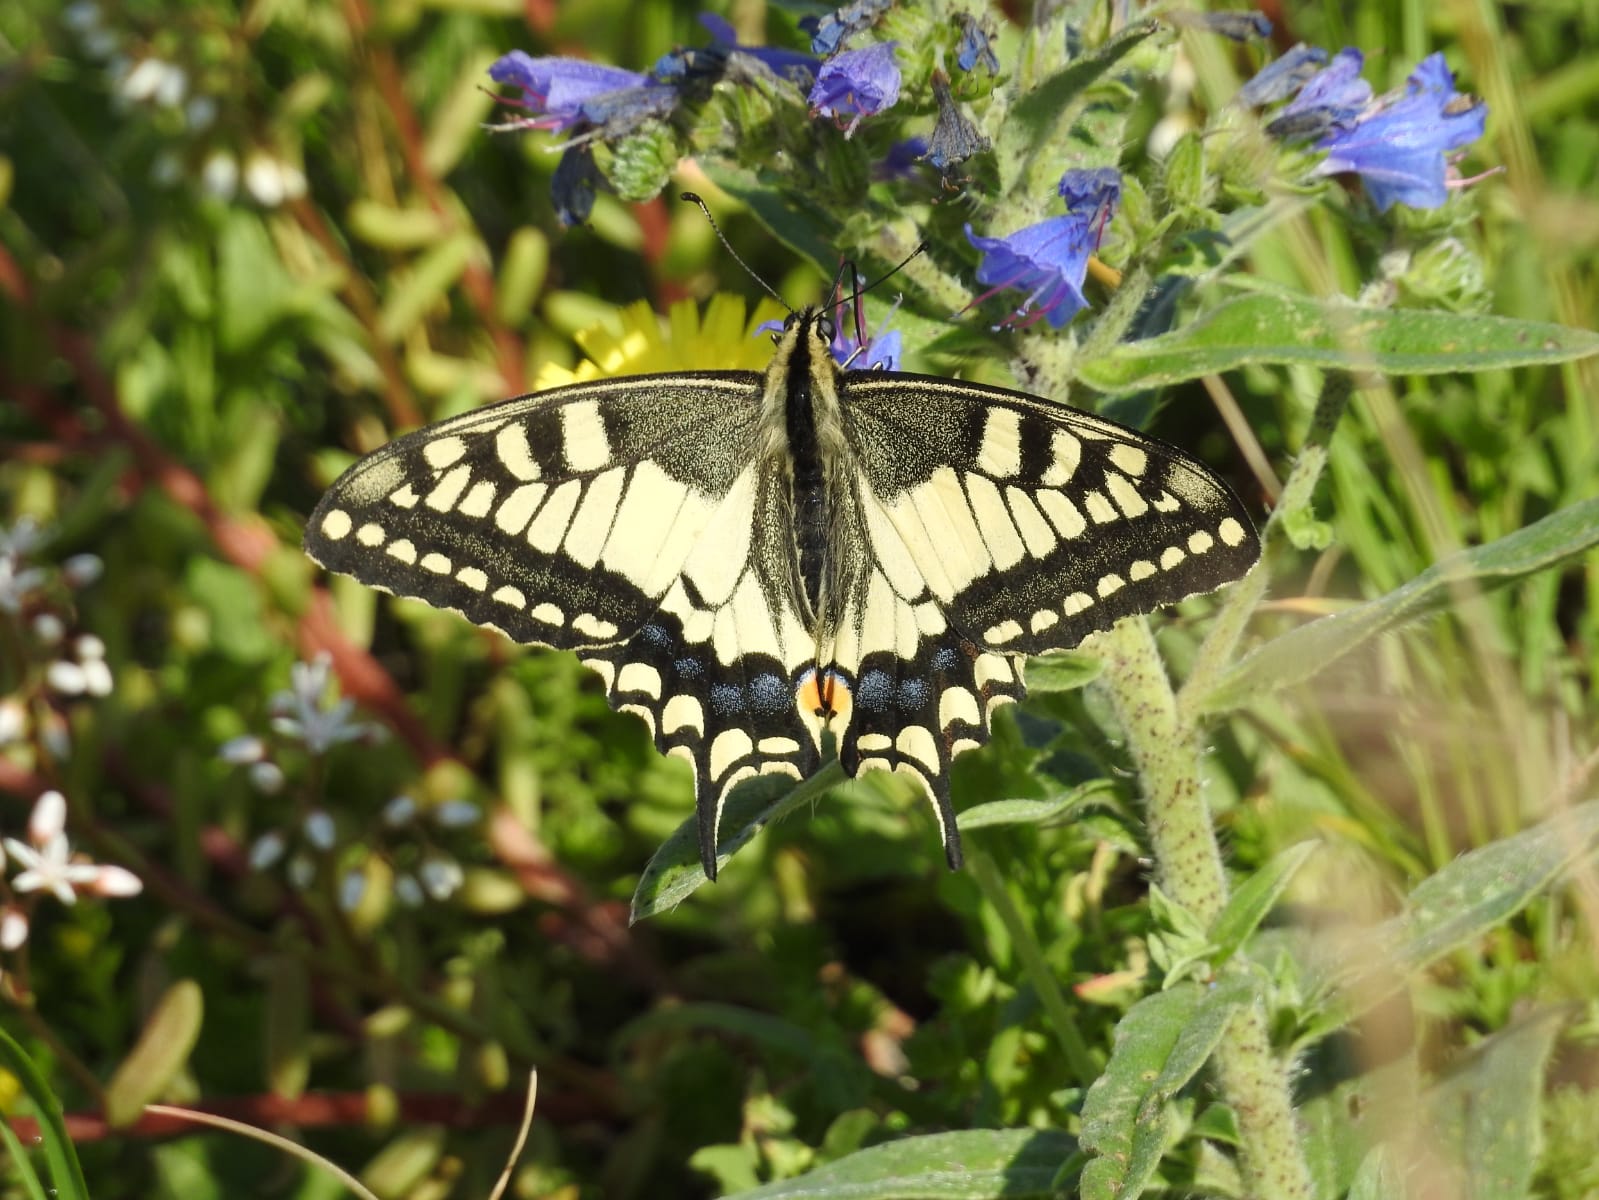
(1116, 1127)
(674, 872)
(1457, 905)
(1486, 1110)
(1288, 329)
(1255, 898)
(972, 1165)
(1297, 656)
(65, 1172)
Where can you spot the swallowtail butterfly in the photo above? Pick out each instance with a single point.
(750, 559)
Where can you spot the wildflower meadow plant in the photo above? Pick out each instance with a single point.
(1108, 296)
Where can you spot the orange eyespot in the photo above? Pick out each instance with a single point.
(824, 694)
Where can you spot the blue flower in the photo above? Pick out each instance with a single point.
(855, 84)
(830, 32)
(974, 45)
(1050, 259)
(1279, 79)
(1399, 148)
(880, 351)
(565, 93)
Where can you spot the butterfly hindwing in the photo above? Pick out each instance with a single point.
(561, 518)
(1033, 524)
(713, 672)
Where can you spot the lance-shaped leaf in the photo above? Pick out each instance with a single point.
(1289, 329)
(162, 1049)
(674, 872)
(1160, 1045)
(1010, 1164)
(1254, 898)
(1460, 903)
(65, 1172)
(1295, 657)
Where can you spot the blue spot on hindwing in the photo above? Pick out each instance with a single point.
(914, 694)
(875, 691)
(725, 699)
(769, 694)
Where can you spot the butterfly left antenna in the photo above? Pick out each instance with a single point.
(693, 198)
(886, 276)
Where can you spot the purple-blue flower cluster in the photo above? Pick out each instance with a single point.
(1400, 145)
(856, 83)
(1049, 260)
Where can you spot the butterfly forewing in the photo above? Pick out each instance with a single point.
(561, 518)
(1031, 524)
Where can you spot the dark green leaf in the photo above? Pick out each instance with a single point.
(1032, 812)
(674, 872)
(1296, 330)
(1115, 1123)
(973, 1165)
(1295, 657)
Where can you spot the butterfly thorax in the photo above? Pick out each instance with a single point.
(802, 420)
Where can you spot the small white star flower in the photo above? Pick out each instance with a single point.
(50, 869)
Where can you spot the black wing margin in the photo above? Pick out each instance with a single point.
(559, 518)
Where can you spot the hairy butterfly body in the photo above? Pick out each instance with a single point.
(750, 560)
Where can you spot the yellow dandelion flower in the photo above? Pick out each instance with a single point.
(723, 338)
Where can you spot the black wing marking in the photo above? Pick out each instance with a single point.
(561, 518)
(1031, 524)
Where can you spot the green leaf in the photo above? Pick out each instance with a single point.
(1115, 1121)
(1295, 657)
(1461, 903)
(1487, 1110)
(65, 1173)
(970, 1165)
(1041, 111)
(1062, 671)
(1296, 330)
(1032, 812)
(1254, 898)
(674, 872)
(23, 1171)
(1378, 1178)
(1196, 1040)
(162, 1049)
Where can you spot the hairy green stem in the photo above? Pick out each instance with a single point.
(1165, 747)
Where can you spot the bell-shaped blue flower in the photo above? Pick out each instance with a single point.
(1400, 149)
(855, 84)
(1049, 260)
(563, 93)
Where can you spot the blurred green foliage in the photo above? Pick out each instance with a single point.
(226, 276)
